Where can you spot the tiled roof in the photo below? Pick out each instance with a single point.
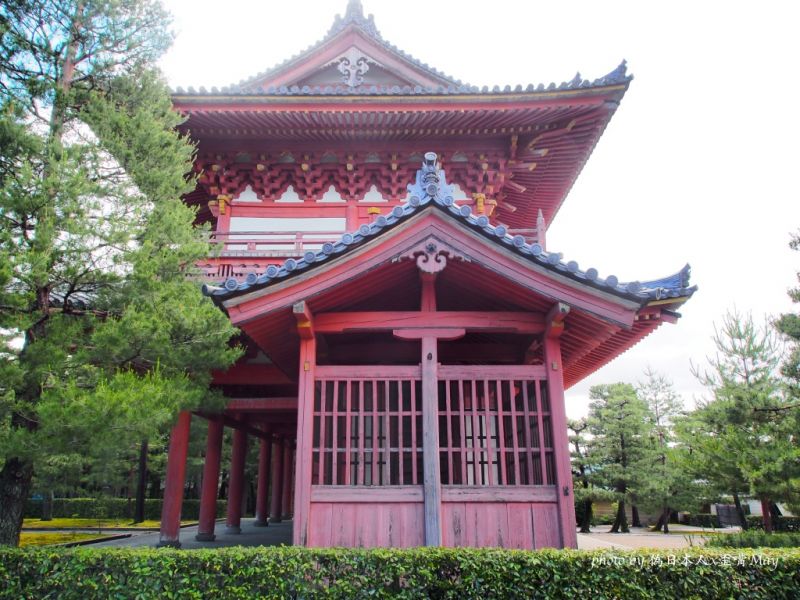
(354, 16)
(431, 189)
(615, 77)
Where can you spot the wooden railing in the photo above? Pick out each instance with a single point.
(270, 243)
(238, 253)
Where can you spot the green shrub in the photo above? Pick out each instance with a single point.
(791, 524)
(603, 520)
(756, 539)
(707, 520)
(113, 508)
(463, 574)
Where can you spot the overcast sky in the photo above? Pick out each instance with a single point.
(699, 164)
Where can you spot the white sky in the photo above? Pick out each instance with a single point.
(700, 163)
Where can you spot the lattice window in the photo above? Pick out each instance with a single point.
(495, 432)
(367, 432)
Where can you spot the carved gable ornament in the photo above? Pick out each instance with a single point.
(431, 255)
(353, 65)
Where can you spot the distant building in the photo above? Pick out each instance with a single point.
(382, 246)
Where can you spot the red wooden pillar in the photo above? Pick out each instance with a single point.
(305, 423)
(236, 483)
(430, 443)
(264, 458)
(208, 495)
(351, 216)
(277, 481)
(555, 389)
(175, 480)
(288, 455)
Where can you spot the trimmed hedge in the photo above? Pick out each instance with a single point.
(707, 520)
(463, 574)
(778, 523)
(113, 508)
(755, 539)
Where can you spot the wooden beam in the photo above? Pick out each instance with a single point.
(305, 320)
(554, 321)
(432, 332)
(229, 421)
(261, 404)
(250, 374)
(504, 322)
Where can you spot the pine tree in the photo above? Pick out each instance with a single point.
(745, 436)
(789, 325)
(96, 249)
(586, 492)
(666, 485)
(617, 450)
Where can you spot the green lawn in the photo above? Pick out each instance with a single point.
(64, 523)
(48, 539)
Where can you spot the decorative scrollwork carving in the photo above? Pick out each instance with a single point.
(353, 65)
(431, 256)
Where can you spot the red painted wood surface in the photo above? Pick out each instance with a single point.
(305, 431)
(175, 479)
(288, 465)
(367, 525)
(236, 484)
(432, 480)
(566, 498)
(211, 467)
(522, 525)
(262, 490)
(276, 511)
(513, 322)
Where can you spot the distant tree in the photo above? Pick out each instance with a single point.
(789, 325)
(666, 485)
(586, 492)
(96, 249)
(618, 447)
(745, 434)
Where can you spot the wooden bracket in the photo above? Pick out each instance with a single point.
(554, 321)
(305, 320)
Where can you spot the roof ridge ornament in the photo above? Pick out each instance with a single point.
(354, 14)
(618, 75)
(430, 183)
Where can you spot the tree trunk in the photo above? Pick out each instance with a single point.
(141, 483)
(15, 486)
(621, 520)
(766, 514)
(635, 516)
(586, 516)
(47, 506)
(740, 511)
(155, 487)
(665, 517)
(659, 524)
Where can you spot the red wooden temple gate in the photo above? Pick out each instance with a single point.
(408, 340)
